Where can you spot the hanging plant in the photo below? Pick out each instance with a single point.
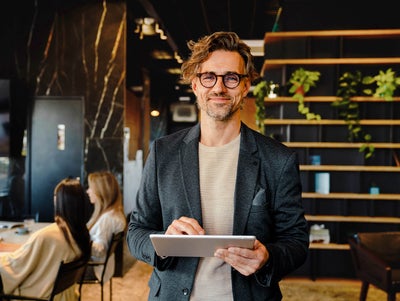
(386, 82)
(351, 85)
(260, 91)
(301, 82)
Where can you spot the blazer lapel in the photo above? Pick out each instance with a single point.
(246, 180)
(189, 158)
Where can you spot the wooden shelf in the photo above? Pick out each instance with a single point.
(336, 51)
(353, 219)
(376, 33)
(329, 246)
(289, 99)
(339, 145)
(270, 121)
(356, 168)
(352, 196)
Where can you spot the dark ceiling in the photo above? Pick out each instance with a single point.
(184, 20)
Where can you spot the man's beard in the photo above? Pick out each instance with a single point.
(221, 112)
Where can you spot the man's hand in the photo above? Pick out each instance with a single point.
(185, 226)
(245, 261)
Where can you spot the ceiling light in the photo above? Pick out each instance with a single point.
(161, 55)
(148, 27)
(184, 98)
(155, 113)
(175, 71)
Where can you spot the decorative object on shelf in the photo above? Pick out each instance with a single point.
(322, 182)
(373, 189)
(275, 28)
(351, 84)
(318, 234)
(273, 89)
(315, 160)
(302, 80)
(386, 82)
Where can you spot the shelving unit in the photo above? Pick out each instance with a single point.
(349, 207)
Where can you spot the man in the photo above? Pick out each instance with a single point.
(220, 177)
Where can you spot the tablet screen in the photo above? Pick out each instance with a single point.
(197, 245)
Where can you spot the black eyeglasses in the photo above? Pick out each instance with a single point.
(231, 80)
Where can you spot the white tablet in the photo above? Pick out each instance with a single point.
(197, 245)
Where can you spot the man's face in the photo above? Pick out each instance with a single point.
(219, 102)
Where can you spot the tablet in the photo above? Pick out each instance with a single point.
(198, 245)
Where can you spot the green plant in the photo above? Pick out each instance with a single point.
(351, 84)
(301, 82)
(386, 82)
(260, 91)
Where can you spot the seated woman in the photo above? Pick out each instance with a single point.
(32, 268)
(107, 219)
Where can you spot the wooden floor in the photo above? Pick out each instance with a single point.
(133, 287)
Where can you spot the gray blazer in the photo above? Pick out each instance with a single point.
(267, 205)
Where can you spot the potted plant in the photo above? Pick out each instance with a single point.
(260, 91)
(301, 82)
(351, 84)
(386, 82)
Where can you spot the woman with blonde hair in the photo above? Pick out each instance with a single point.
(107, 218)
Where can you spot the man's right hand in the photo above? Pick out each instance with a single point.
(185, 226)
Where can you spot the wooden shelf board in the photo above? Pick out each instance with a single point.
(329, 246)
(289, 99)
(274, 63)
(339, 145)
(384, 33)
(270, 121)
(355, 219)
(356, 168)
(352, 196)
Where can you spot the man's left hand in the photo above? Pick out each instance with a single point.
(245, 261)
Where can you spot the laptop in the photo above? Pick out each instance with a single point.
(198, 245)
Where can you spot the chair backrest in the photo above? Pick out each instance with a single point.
(376, 259)
(68, 274)
(384, 245)
(115, 240)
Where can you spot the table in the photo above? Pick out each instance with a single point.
(10, 239)
(4, 225)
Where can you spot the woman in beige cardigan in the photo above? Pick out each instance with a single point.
(32, 268)
(107, 219)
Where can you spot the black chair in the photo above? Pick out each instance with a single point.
(68, 275)
(116, 239)
(376, 259)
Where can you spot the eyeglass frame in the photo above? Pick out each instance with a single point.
(240, 76)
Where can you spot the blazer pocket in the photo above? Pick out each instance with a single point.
(260, 199)
(260, 221)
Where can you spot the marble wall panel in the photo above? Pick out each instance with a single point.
(79, 49)
(71, 48)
